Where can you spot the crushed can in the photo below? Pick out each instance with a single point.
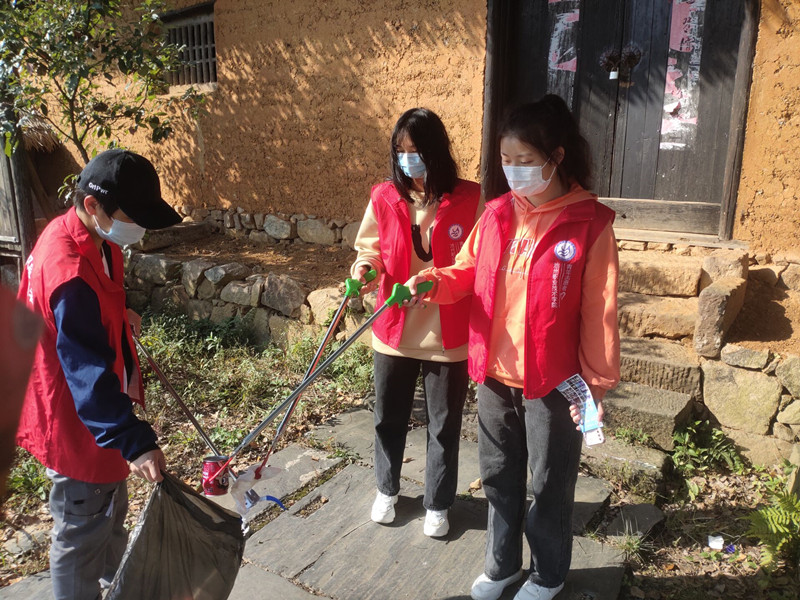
(214, 485)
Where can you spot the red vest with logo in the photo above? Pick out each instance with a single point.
(454, 219)
(50, 428)
(553, 302)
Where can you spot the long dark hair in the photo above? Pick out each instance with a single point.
(546, 125)
(428, 134)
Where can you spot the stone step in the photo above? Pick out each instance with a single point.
(658, 413)
(660, 364)
(321, 544)
(659, 274)
(641, 469)
(643, 315)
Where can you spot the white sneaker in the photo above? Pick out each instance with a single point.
(533, 591)
(436, 524)
(383, 508)
(484, 588)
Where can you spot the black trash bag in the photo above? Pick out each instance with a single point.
(183, 547)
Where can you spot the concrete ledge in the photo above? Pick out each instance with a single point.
(656, 412)
(641, 315)
(641, 469)
(660, 364)
(658, 274)
(182, 232)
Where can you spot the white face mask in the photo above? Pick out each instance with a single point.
(527, 181)
(121, 233)
(411, 164)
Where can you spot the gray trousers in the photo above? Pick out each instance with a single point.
(445, 392)
(88, 538)
(515, 434)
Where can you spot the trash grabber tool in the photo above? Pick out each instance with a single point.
(352, 290)
(157, 370)
(399, 294)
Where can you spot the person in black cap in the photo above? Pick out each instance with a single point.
(78, 418)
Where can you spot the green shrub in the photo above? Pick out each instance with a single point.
(701, 448)
(27, 481)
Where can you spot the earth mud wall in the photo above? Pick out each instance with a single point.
(768, 207)
(308, 93)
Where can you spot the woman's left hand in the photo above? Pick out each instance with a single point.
(575, 412)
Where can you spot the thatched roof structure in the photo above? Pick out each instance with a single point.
(37, 134)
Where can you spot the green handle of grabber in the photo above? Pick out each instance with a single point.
(401, 292)
(352, 287)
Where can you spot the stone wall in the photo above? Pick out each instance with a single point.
(276, 308)
(278, 228)
(755, 396)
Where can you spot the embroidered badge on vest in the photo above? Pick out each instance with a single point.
(455, 231)
(565, 250)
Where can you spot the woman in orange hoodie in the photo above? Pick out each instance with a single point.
(541, 268)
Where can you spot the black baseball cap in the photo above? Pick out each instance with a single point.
(130, 181)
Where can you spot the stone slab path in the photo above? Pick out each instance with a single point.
(325, 545)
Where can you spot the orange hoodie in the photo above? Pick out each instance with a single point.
(599, 343)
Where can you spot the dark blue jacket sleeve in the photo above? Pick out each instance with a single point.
(88, 364)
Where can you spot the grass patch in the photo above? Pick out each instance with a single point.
(222, 378)
(27, 483)
(633, 436)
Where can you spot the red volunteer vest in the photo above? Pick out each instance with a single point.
(454, 219)
(553, 299)
(50, 428)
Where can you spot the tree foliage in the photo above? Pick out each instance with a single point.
(92, 69)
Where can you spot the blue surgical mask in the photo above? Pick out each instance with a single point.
(121, 233)
(411, 164)
(527, 180)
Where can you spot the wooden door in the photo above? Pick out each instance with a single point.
(17, 232)
(666, 129)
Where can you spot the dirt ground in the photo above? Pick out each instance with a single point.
(314, 265)
(770, 318)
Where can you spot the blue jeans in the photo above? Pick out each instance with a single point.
(88, 538)
(515, 434)
(445, 392)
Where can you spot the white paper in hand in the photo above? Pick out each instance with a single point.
(575, 390)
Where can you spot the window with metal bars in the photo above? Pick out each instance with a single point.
(193, 30)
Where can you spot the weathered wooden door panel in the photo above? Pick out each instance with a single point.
(696, 172)
(17, 233)
(641, 94)
(8, 214)
(660, 133)
(595, 95)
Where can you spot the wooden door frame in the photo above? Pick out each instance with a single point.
(498, 19)
(18, 192)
